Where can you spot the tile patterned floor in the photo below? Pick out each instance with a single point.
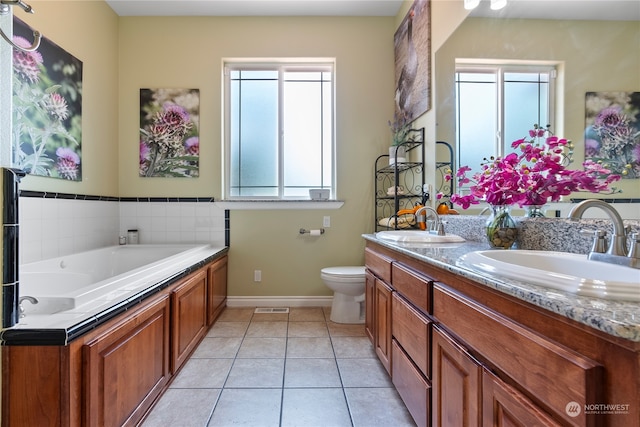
(296, 369)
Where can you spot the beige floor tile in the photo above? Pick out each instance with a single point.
(247, 407)
(258, 348)
(367, 411)
(306, 314)
(309, 347)
(327, 312)
(267, 329)
(345, 330)
(203, 373)
(183, 407)
(236, 314)
(282, 370)
(308, 329)
(256, 373)
(311, 373)
(363, 373)
(314, 407)
(358, 347)
(228, 329)
(218, 348)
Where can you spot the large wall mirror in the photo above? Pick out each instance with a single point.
(591, 54)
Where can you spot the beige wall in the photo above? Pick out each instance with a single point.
(595, 56)
(188, 52)
(122, 55)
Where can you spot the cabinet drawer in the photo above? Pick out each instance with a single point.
(412, 387)
(413, 286)
(553, 374)
(378, 264)
(412, 330)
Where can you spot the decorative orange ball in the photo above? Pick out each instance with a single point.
(442, 209)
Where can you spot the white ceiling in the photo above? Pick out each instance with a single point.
(541, 9)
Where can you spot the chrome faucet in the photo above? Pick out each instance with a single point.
(616, 252)
(31, 299)
(438, 225)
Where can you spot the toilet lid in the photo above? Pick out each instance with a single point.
(347, 271)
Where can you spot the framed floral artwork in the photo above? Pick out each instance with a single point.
(612, 134)
(169, 139)
(47, 108)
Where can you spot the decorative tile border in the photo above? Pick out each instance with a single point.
(71, 196)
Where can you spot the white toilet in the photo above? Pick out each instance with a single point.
(347, 284)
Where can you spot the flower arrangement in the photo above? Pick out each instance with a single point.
(533, 175)
(399, 129)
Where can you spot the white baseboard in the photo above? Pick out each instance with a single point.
(266, 301)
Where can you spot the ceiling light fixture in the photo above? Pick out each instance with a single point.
(471, 4)
(498, 4)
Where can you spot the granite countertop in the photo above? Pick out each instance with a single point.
(618, 318)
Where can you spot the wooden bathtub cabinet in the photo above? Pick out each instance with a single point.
(189, 311)
(127, 366)
(465, 354)
(216, 289)
(112, 375)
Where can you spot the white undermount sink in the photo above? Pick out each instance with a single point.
(572, 273)
(417, 236)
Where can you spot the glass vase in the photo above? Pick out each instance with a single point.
(397, 153)
(535, 211)
(501, 228)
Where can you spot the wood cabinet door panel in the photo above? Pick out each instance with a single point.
(216, 289)
(412, 387)
(413, 286)
(379, 264)
(526, 357)
(506, 407)
(126, 368)
(24, 368)
(369, 300)
(456, 382)
(383, 324)
(411, 329)
(189, 313)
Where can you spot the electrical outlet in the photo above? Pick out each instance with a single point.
(326, 222)
(257, 275)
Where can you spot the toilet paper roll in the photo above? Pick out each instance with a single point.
(315, 232)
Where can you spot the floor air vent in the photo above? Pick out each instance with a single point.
(271, 310)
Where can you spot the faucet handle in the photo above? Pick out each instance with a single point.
(634, 247)
(599, 240)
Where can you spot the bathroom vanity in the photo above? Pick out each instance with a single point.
(111, 374)
(466, 349)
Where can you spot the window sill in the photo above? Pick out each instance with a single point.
(278, 204)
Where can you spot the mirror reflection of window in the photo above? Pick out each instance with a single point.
(498, 104)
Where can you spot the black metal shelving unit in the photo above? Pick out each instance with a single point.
(442, 168)
(409, 175)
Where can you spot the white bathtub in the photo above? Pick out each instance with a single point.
(87, 282)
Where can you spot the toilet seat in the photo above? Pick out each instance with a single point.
(346, 273)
